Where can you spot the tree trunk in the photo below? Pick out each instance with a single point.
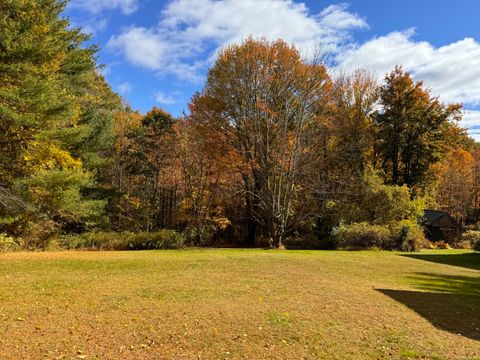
(395, 163)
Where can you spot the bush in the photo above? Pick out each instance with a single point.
(362, 236)
(8, 243)
(198, 237)
(403, 235)
(443, 245)
(162, 239)
(95, 241)
(462, 244)
(380, 204)
(407, 235)
(310, 242)
(471, 227)
(473, 237)
(38, 235)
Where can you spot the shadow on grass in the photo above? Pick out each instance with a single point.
(468, 260)
(450, 303)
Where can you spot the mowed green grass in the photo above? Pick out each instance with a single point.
(240, 304)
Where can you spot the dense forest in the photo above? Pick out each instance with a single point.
(275, 150)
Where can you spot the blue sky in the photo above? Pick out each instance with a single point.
(156, 53)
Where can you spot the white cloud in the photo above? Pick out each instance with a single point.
(141, 47)
(452, 71)
(92, 18)
(475, 134)
(164, 99)
(182, 42)
(471, 118)
(230, 21)
(471, 121)
(92, 25)
(97, 6)
(124, 88)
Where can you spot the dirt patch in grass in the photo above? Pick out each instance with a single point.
(235, 304)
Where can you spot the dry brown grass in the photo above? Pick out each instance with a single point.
(238, 304)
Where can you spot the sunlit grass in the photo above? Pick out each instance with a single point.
(239, 304)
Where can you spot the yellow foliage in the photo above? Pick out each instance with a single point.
(42, 156)
(221, 223)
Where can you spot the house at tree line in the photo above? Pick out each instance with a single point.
(440, 226)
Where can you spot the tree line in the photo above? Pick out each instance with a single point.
(274, 148)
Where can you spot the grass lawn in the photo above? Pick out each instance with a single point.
(240, 304)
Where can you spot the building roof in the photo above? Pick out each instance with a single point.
(431, 216)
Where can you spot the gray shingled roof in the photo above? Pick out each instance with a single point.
(433, 215)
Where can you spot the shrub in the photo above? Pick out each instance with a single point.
(407, 235)
(463, 244)
(95, 241)
(473, 237)
(198, 236)
(403, 235)
(443, 245)
(8, 243)
(380, 204)
(162, 239)
(471, 227)
(38, 235)
(431, 245)
(310, 242)
(361, 236)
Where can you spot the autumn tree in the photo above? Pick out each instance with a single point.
(413, 128)
(144, 155)
(205, 174)
(126, 122)
(455, 191)
(352, 125)
(265, 103)
(116, 178)
(345, 149)
(476, 182)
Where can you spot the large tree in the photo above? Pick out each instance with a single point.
(347, 149)
(56, 112)
(414, 128)
(143, 159)
(264, 102)
(352, 126)
(457, 181)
